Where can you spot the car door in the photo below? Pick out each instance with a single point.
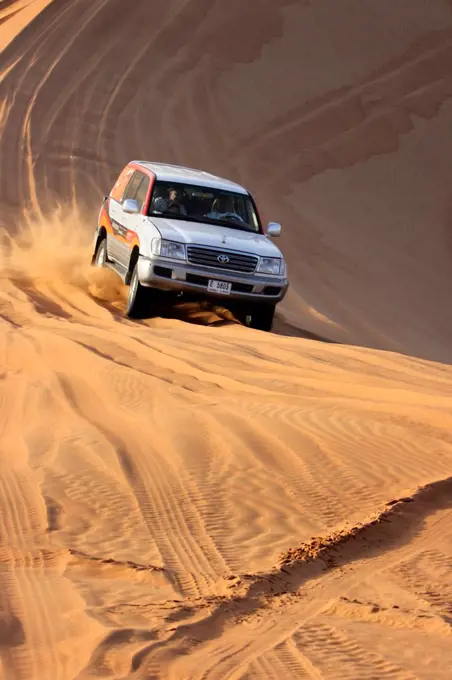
(118, 247)
(134, 222)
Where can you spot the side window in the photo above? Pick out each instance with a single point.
(133, 186)
(142, 191)
(121, 183)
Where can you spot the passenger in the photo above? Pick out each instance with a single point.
(170, 204)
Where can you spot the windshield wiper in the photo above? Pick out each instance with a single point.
(171, 215)
(201, 220)
(240, 226)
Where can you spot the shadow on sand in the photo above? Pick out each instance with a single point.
(205, 313)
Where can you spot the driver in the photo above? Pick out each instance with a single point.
(170, 204)
(223, 206)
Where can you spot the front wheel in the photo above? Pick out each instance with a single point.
(100, 256)
(260, 316)
(139, 299)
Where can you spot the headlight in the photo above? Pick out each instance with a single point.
(269, 265)
(170, 249)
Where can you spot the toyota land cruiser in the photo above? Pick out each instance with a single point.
(176, 229)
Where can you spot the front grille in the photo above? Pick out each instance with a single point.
(203, 281)
(208, 257)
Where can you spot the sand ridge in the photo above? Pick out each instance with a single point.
(17, 15)
(185, 498)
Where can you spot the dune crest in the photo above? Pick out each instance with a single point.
(16, 15)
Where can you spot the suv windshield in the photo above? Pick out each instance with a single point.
(204, 204)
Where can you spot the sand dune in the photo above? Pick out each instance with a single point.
(182, 501)
(15, 15)
(184, 498)
(338, 121)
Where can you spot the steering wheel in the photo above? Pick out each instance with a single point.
(174, 207)
(232, 215)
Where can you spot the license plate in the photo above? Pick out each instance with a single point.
(221, 287)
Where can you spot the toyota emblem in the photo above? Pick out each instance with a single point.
(223, 259)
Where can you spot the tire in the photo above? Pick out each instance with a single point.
(139, 301)
(100, 256)
(261, 317)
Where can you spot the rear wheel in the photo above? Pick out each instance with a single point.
(139, 301)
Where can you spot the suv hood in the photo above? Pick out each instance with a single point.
(214, 236)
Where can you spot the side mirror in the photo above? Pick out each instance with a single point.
(273, 229)
(131, 206)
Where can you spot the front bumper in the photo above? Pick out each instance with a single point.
(182, 277)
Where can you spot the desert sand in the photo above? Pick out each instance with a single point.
(185, 498)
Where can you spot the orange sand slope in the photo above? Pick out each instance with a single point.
(15, 15)
(184, 498)
(337, 116)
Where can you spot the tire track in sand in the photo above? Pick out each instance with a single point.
(31, 575)
(189, 557)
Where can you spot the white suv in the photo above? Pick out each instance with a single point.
(185, 231)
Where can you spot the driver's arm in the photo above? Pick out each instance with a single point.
(160, 204)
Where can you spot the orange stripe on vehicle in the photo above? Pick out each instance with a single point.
(132, 238)
(105, 220)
